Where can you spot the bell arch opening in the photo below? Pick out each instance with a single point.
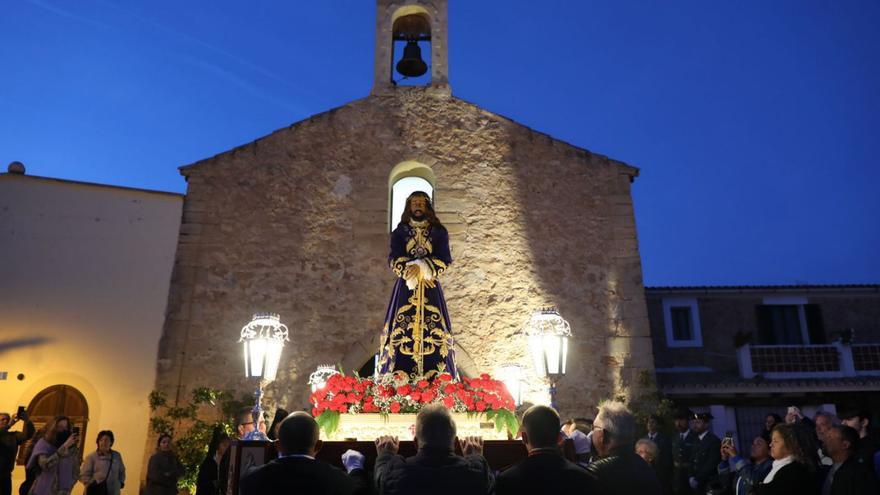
(410, 38)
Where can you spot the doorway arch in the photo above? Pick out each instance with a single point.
(58, 400)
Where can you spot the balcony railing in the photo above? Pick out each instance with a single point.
(809, 361)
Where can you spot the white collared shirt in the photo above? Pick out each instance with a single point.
(702, 435)
(777, 465)
(296, 455)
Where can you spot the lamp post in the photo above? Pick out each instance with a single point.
(548, 333)
(263, 339)
(512, 377)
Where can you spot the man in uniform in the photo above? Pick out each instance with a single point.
(706, 454)
(683, 442)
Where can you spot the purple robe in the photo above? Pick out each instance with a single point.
(58, 471)
(416, 339)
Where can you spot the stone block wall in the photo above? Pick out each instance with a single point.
(296, 223)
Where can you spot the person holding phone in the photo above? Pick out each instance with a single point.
(9, 443)
(57, 457)
(747, 472)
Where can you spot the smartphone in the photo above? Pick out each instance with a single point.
(74, 430)
(728, 438)
(22, 412)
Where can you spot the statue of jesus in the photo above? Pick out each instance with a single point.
(416, 340)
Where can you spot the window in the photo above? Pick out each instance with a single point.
(681, 318)
(789, 321)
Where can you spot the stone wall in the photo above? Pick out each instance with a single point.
(296, 223)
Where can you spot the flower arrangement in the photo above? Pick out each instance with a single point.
(354, 395)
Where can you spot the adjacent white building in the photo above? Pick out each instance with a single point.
(84, 278)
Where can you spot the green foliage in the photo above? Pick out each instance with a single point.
(648, 400)
(328, 421)
(504, 420)
(192, 424)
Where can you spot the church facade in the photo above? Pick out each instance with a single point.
(297, 223)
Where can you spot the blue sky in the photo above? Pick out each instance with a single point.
(755, 123)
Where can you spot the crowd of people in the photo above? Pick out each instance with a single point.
(53, 464)
(826, 455)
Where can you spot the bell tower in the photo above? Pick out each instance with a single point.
(404, 29)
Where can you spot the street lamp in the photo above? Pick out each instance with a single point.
(512, 377)
(548, 333)
(263, 339)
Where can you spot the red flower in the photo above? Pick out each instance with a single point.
(394, 407)
(315, 412)
(485, 376)
(444, 377)
(423, 383)
(449, 402)
(481, 406)
(403, 390)
(427, 397)
(449, 389)
(415, 396)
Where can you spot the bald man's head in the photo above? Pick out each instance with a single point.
(298, 434)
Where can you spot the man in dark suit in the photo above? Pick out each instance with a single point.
(544, 470)
(706, 454)
(847, 476)
(664, 451)
(435, 469)
(683, 442)
(618, 470)
(296, 470)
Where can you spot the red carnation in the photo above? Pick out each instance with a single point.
(427, 397)
(315, 411)
(449, 389)
(403, 390)
(449, 402)
(415, 396)
(394, 407)
(481, 406)
(423, 383)
(444, 377)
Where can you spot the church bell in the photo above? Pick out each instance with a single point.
(412, 65)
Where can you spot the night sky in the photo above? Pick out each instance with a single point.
(756, 124)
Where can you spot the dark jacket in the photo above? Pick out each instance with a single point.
(705, 459)
(544, 472)
(853, 478)
(433, 472)
(300, 475)
(163, 472)
(208, 481)
(682, 454)
(663, 462)
(795, 478)
(740, 472)
(622, 474)
(9, 442)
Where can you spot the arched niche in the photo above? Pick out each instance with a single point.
(405, 178)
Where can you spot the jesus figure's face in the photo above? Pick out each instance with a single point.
(418, 205)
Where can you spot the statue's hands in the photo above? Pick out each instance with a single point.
(412, 271)
(471, 445)
(388, 444)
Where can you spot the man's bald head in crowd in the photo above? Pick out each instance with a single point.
(298, 434)
(541, 427)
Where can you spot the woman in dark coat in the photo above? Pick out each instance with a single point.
(209, 471)
(164, 469)
(794, 463)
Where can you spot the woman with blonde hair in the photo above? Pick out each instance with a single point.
(57, 458)
(794, 463)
